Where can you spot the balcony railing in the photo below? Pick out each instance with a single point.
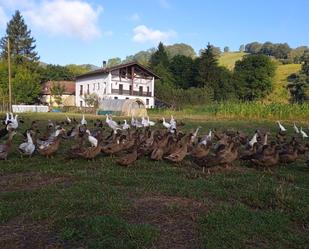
(128, 92)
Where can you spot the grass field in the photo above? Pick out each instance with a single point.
(98, 204)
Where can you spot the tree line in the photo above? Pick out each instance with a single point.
(185, 80)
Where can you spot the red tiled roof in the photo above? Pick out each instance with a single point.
(109, 69)
(68, 85)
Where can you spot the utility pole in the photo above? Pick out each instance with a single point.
(10, 83)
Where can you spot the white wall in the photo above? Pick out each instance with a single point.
(97, 84)
(144, 99)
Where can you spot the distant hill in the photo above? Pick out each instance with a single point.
(228, 59)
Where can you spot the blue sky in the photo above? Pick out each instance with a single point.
(89, 31)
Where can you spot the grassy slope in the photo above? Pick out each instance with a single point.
(228, 59)
(279, 94)
(101, 205)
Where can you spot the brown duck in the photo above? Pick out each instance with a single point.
(5, 148)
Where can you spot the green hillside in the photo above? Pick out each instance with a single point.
(228, 59)
(280, 94)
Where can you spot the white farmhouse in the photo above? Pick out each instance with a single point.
(126, 81)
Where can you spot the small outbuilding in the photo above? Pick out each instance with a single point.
(123, 107)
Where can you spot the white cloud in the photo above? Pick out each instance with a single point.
(135, 17)
(3, 18)
(143, 34)
(73, 18)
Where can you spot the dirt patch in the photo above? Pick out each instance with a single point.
(30, 181)
(175, 217)
(17, 234)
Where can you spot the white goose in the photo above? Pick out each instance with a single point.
(303, 134)
(173, 122)
(296, 128)
(281, 127)
(28, 147)
(92, 140)
(83, 121)
(125, 126)
(253, 139)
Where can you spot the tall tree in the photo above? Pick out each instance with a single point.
(242, 48)
(21, 42)
(208, 64)
(113, 62)
(253, 75)
(226, 49)
(184, 70)
(159, 57)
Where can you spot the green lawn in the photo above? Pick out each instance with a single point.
(98, 204)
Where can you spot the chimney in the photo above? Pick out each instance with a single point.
(104, 64)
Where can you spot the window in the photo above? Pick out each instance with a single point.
(120, 89)
(130, 90)
(88, 91)
(148, 93)
(147, 101)
(115, 97)
(141, 91)
(127, 98)
(81, 103)
(81, 90)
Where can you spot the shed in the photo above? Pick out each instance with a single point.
(124, 107)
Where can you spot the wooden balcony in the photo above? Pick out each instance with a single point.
(128, 92)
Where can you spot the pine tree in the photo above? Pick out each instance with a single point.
(159, 57)
(22, 44)
(208, 65)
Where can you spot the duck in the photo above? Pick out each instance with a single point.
(253, 139)
(201, 150)
(206, 138)
(288, 156)
(267, 159)
(91, 152)
(125, 125)
(83, 121)
(50, 148)
(194, 135)
(129, 158)
(281, 127)
(112, 124)
(296, 130)
(92, 140)
(5, 148)
(181, 152)
(27, 148)
(151, 123)
(13, 122)
(159, 150)
(166, 124)
(303, 133)
(68, 121)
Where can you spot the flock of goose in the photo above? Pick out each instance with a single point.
(161, 140)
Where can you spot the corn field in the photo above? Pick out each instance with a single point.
(243, 110)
